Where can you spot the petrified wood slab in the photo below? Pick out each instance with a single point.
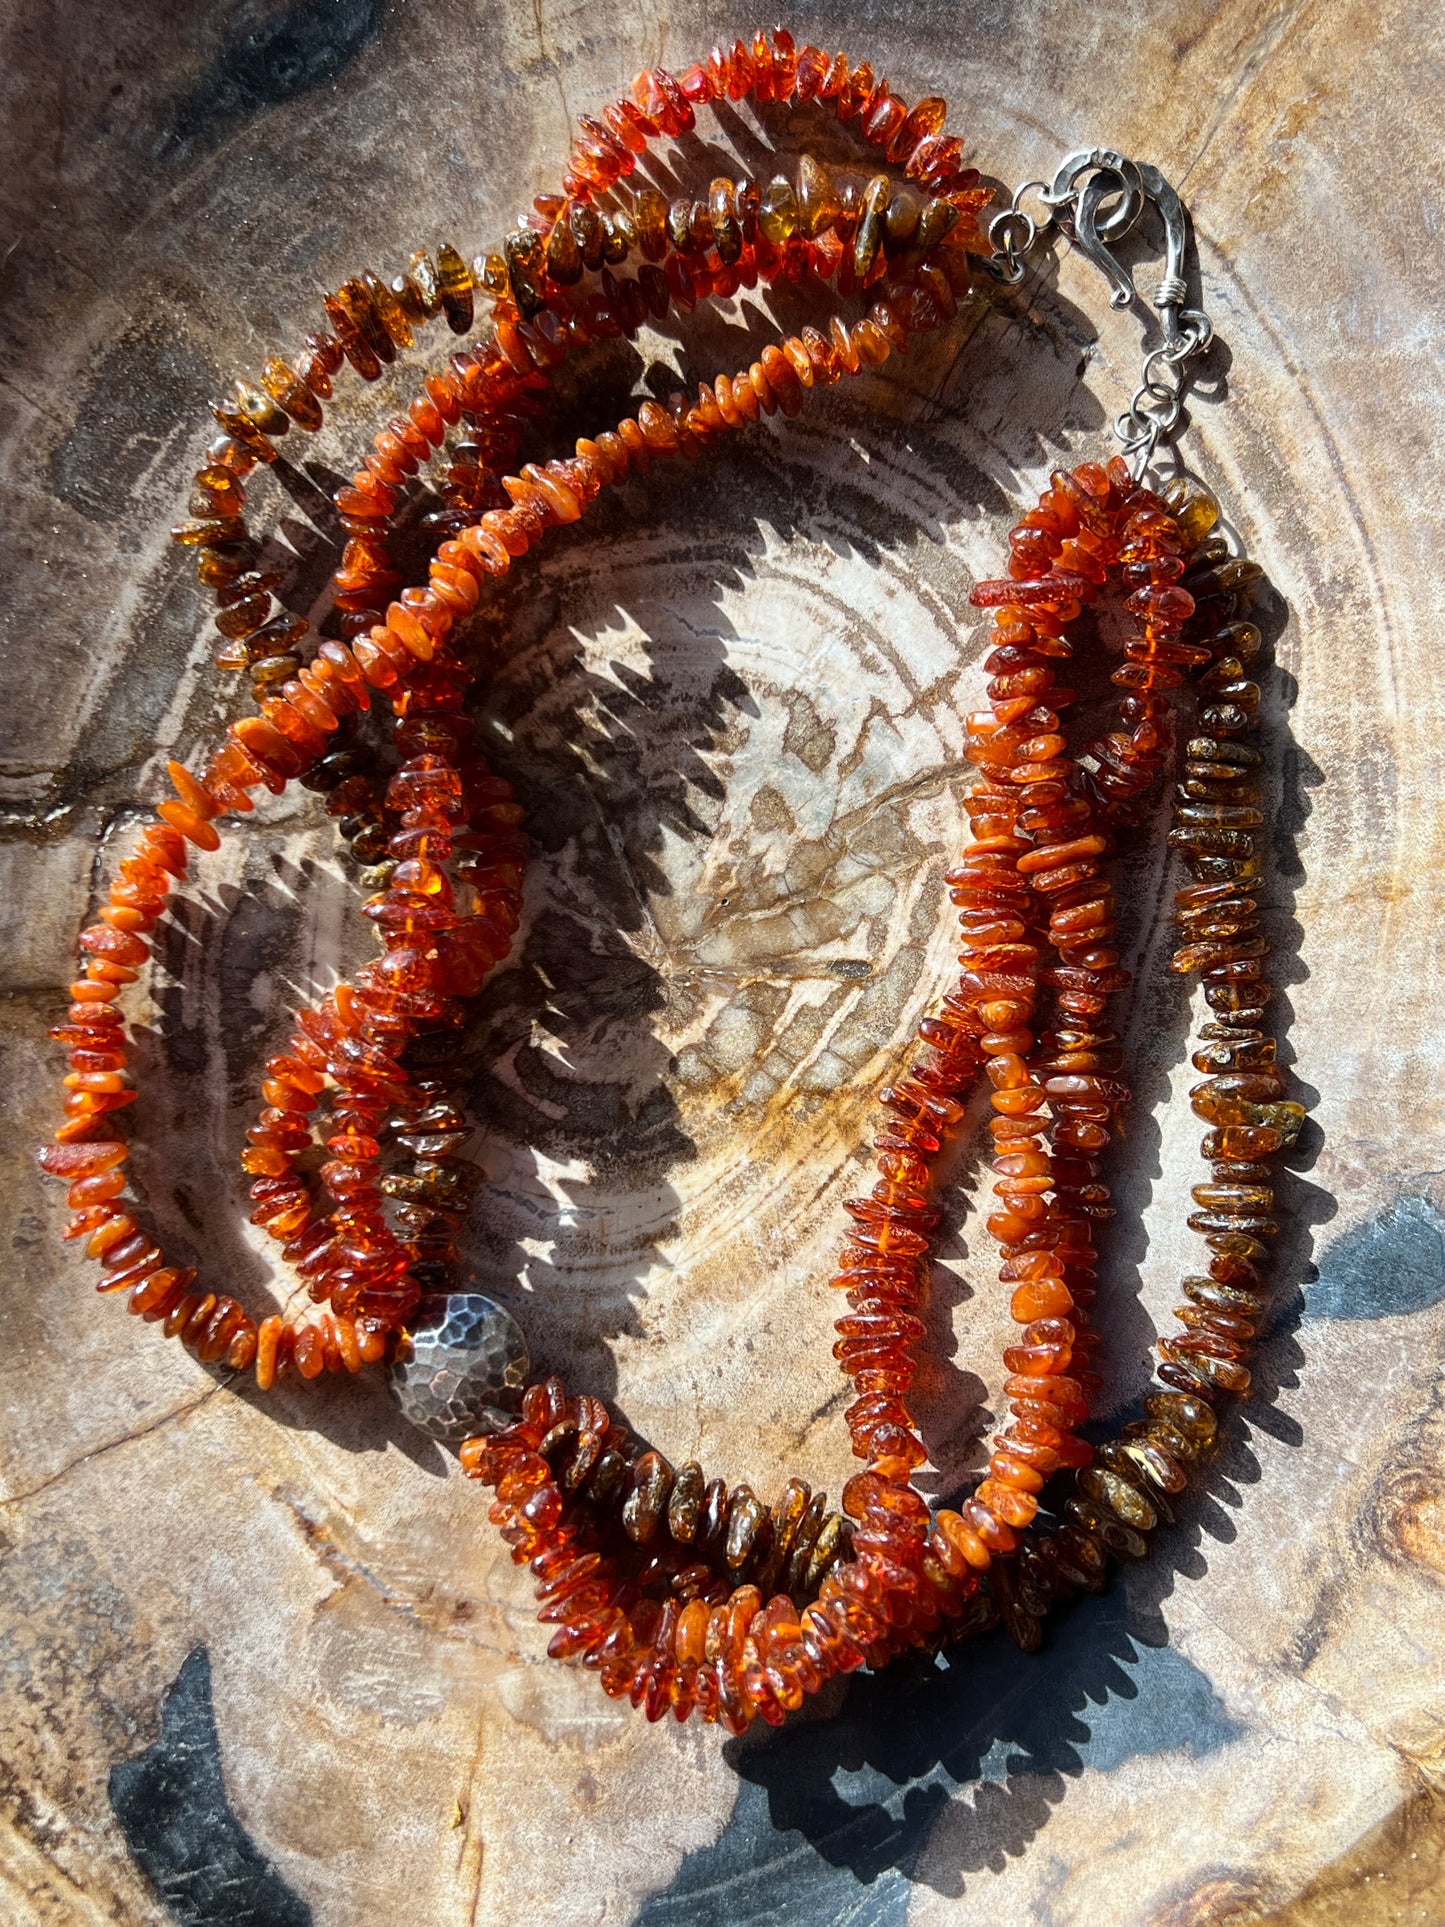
(732, 705)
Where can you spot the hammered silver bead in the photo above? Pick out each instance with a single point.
(460, 1367)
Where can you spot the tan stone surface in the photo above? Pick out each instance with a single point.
(732, 704)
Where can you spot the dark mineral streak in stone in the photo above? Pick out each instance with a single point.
(172, 1808)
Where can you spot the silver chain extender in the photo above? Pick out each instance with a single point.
(1095, 198)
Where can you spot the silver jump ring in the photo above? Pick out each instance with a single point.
(1012, 231)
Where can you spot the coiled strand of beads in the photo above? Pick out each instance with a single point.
(679, 1631)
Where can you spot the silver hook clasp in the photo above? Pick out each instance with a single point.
(1096, 198)
(1102, 211)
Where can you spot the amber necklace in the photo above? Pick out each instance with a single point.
(678, 1592)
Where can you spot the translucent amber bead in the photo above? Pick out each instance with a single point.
(811, 72)
(389, 310)
(355, 297)
(210, 532)
(680, 224)
(408, 296)
(354, 343)
(261, 410)
(490, 273)
(1194, 511)
(421, 272)
(727, 235)
(217, 492)
(905, 210)
(925, 121)
(649, 216)
(564, 257)
(778, 210)
(589, 232)
(1120, 1495)
(526, 270)
(868, 237)
(454, 282)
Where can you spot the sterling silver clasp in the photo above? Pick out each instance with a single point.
(1096, 198)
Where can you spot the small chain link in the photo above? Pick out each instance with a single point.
(1157, 403)
(1012, 233)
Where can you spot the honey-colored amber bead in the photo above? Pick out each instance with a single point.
(269, 672)
(422, 273)
(690, 1639)
(217, 492)
(868, 237)
(727, 235)
(310, 1352)
(1187, 1415)
(924, 122)
(818, 201)
(938, 219)
(95, 1189)
(218, 568)
(489, 271)
(526, 270)
(1120, 1495)
(261, 410)
(962, 1548)
(156, 1295)
(746, 197)
(388, 309)
(1232, 1298)
(1104, 1525)
(684, 1505)
(1041, 1298)
(842, 345)
(1242, 1141)
(589, 233)
(241, 1348)
(228, 455)
(1145, 1453)
(646, 1502)
(829, 1547)
(1007, 1504)
(649, 216)
(619, 236)
(355, 296)
(870, 343)
(745, 1519)
(354, 343)
(778, 211)
(679, 224)
(1205, 1359)
(314, 366)
(1194, 511)
(210, 531)
(242, 430)
(564, 257)
(408, 298)
(901, 220)
(243, 618)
